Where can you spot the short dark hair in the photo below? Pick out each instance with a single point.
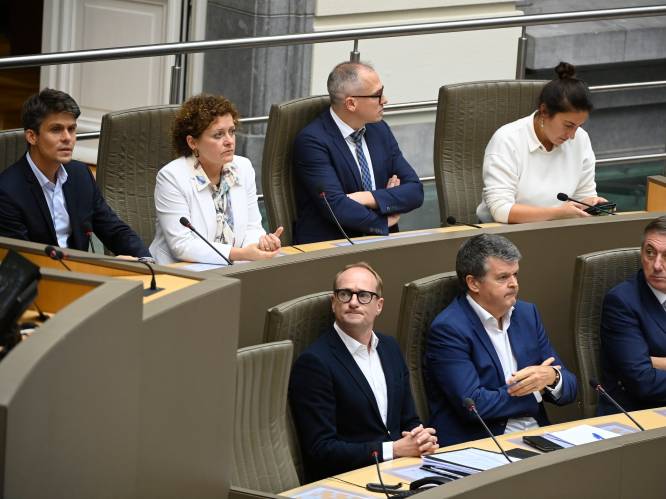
(366, 266)
(657, 225)
(343, 77)
(195, 115)
(565, 93)
(48, 101)
(472, 258)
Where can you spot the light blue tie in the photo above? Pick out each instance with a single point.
(366, 179)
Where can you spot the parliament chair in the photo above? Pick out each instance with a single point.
(468, 114)
(12, 146)
(134, 144)
(594, 275)
(422, 300)
(261, 455)
(277, 179)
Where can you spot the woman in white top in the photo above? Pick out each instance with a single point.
(211, 187)
(528, 162)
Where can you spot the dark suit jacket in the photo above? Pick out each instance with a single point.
(323, 161)
(335, 411)
(25, 214)
(633, 328)
(461, 362)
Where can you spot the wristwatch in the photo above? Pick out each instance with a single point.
(557, 379)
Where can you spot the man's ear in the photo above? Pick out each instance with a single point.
(380, 305)
(350, 104)
(31, 137)
(472, 283)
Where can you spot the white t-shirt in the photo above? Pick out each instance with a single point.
(517, 169)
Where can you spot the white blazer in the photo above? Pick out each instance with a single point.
(177, 194)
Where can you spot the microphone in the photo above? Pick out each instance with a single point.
(322, 194)
(375, 455)
(597, 386)
(60, 255)
(186, 223)
(563, 197)
(452, 221)
(87, 230)
(471, 406)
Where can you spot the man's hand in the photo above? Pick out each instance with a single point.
(532, 379)
(659, 362)
(271, 242)
(393, 219)
(365, 198)
(416, 443)
(394, 181)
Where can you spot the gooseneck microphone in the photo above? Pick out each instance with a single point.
(87, 230)
(563, 197)
(186, 223)
(375, 455)
(471, 407)
(322, 194)
(60, 255)
(452, 221)
(597, 386)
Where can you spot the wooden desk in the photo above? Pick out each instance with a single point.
(353, 481)
(655, 198)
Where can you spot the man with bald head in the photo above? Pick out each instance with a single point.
(349, 155)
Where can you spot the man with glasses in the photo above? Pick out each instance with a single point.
(349, 157)
(349, 391)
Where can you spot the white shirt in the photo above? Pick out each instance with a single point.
(346, 132)
(500, 340)
(369, 363)
(661, 296)
(517, 169)
(55, 199)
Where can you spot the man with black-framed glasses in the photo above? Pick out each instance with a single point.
(349, 154)
(349, 391)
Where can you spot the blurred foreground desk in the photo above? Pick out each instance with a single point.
(117, 395)
(626, 467)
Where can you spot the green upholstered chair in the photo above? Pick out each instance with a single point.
(277, 180)
(467, 116)
(261, 455)
(421, 301)
(134, 144)
(595, 274)
(12, 147)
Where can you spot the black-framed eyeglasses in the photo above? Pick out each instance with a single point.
(345, 295)
(377, 95)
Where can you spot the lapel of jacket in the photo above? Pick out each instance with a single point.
(377, 155)
(650, 302)
(343, 149)
(389, 367)
(71, 200)
(203, 199)
(519, 339)
(40, 200)
(343, 356)
(481, 334)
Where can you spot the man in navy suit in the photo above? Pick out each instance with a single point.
(633, 330)
(46, 197)
(490, 347)
(349, 155)
(349, 391)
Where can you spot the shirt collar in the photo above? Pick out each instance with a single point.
(352, 345)
(199, 177)
(345, 129)
(661, 297)
(485, 316)
(61, 173)
(533, 142)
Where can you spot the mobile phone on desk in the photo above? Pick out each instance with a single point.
(540, 443)
(519, 453)
(597, 209)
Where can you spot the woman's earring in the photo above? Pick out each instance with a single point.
(196, 151)
(541, 127)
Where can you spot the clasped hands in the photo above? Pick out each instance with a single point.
(532, 378)
(416, 442)
(368, 200)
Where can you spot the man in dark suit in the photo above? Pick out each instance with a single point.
(46, 197)
(490, 347)
(633, 330)
(349, 391)
(349, 155)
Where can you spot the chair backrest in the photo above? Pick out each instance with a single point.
(261, 455)
(277, 180)
(12, 146)
(134, 144)
(468, 114)
(421, 301)
(594, 275)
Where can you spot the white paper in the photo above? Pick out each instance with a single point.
(582, 434)
(477, 459)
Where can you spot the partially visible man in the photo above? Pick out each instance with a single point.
(349, 155)
(491, 347)
(349, 391)
(633, 330)
(45, 197)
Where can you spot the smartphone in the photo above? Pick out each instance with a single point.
(521, 453)
(540, 443)
(594, 210)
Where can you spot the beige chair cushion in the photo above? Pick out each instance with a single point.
(12, 147)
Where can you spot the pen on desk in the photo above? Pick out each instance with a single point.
(597, 436)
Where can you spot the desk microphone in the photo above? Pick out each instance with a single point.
(451, 220)
(186, 223)
(322, 194)
(563, 197)
(87, 230)
(597, 386)
(60, 255)
(375, 455)
(471, 407)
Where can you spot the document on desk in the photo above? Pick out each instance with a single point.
(468, 461)
(578, 435)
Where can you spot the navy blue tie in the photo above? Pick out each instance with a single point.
(366, 179)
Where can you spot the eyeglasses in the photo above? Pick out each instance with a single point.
(377, 95)
(345, 295)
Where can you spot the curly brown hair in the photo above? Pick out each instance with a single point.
(195, 115)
